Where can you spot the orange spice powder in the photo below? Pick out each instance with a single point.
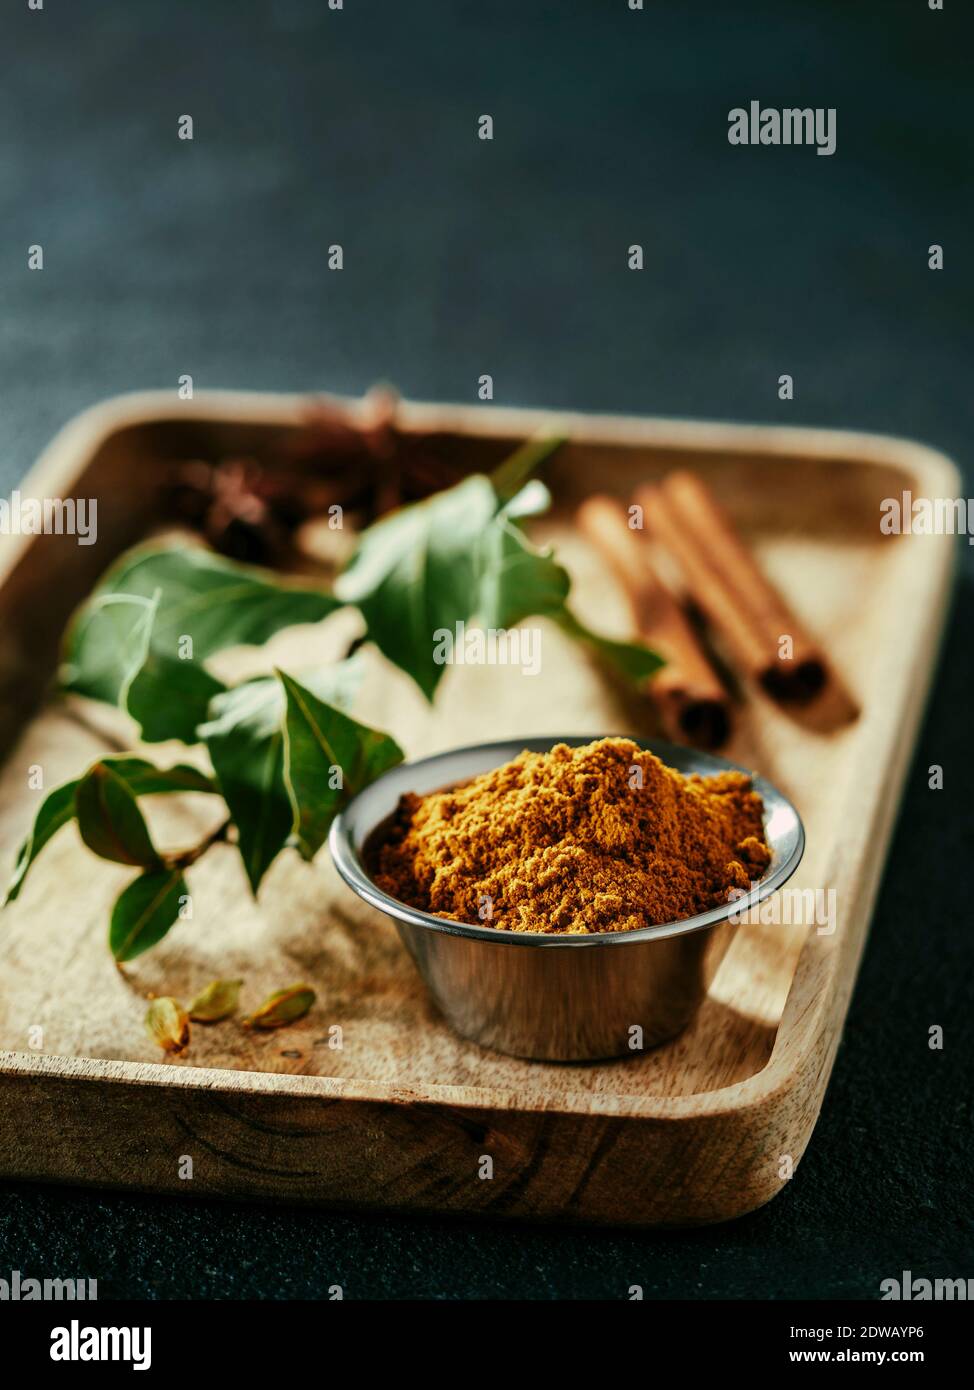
(603, 838)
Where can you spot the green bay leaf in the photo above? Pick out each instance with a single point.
(145, 911)
(461, 555)
(518, 581)
(328, 757)
(106, 644)
(244, 736)
(245, 741)
(169, 698)
(55, 811)
(419, 571)
(58, 807)
(109, 819)
(216, 602)
(142, 640)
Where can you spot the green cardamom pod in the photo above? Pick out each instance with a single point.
(167, 1024)
(283, 1007)
(217, 1001)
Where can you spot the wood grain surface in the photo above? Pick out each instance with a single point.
(401, 1114)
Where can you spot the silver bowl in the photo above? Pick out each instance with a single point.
(554, 997)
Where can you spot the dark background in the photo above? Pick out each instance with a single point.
(462, 257)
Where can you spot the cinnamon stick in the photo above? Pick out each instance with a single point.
(691, 700)
(726, 583)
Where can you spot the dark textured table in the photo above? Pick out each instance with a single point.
(311, 127)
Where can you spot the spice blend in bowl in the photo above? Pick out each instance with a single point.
(577, 840)
(582, 986)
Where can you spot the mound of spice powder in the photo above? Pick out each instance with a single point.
(602, 838)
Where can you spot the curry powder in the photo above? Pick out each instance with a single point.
(602, 838)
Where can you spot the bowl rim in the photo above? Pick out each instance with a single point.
(350, 868)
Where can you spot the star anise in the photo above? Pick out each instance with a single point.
(361, 461)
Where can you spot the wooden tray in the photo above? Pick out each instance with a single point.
(694, 1132)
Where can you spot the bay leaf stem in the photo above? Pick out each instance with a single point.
(186, 857)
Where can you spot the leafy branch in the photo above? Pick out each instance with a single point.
(248, 738)
(462, 554)
(283, 752)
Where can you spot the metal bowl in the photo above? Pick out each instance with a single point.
(555, 997)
